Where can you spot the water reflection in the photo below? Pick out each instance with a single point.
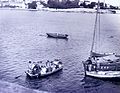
(89, 82)
(41, 83)
(20, 41)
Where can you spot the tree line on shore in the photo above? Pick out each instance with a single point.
(65, 4)
(75, 4)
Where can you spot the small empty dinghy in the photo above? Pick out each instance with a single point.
(56, 35)
(38, 69)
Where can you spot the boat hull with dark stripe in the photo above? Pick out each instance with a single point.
(55, 35)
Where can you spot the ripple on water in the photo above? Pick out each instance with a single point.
(21, 41)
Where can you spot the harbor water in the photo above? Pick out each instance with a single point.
(23, 38)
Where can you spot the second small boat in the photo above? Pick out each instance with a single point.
(56, 35)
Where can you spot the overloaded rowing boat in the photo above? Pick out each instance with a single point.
(56, 35)
(38, 69)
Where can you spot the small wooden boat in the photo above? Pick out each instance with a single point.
(56, 35)
(41, 71)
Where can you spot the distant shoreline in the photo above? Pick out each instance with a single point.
(72, 10)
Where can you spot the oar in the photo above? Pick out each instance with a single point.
(18, 76)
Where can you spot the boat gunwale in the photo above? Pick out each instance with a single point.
(43, 75)
(103, 76)
(55, 35)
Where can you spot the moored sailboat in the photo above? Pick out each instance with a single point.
(101, 65)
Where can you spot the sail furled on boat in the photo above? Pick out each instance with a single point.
(94, 54)
(96, 33)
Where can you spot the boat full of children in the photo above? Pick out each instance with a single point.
(40, 69)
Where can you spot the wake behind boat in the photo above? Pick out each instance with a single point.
(101, 65)
(38, 69)
(56, 35)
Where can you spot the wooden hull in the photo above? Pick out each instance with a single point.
(55, 35)
(104, 74)
(42, 75)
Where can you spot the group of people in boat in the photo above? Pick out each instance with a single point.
(90, 65)
(101, 63)
(41, 68)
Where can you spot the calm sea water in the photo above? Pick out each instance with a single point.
(23, 38)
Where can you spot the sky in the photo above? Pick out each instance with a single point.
(114, 2)
(111, 2)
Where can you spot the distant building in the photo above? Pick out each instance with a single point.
(13, 3)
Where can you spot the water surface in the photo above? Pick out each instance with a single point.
(23, 38)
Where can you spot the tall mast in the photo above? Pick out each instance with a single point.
(95, 27)
(104, 4)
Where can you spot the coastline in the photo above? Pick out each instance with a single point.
(76, 10)
(72, 10)
(6, 87)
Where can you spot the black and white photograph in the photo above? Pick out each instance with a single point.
(59, 46)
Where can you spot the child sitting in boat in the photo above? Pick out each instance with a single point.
(36, 69)
(49, 69)
(43, 70)
(57, 63)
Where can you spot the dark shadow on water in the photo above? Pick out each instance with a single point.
(40, 83)
(116, 82)
(66, 39)
(54, 75)
(89, 82)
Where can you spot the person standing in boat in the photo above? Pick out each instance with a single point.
(56, 63)
(30, 65)
(89, 64)
(48, 63)
(49, 66)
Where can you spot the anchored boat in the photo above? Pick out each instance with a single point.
(56, 35)
(38, 69)
(101, 65)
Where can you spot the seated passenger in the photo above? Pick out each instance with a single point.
(36, 69)
(43, 70)
(89, 61)
(57, 66)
